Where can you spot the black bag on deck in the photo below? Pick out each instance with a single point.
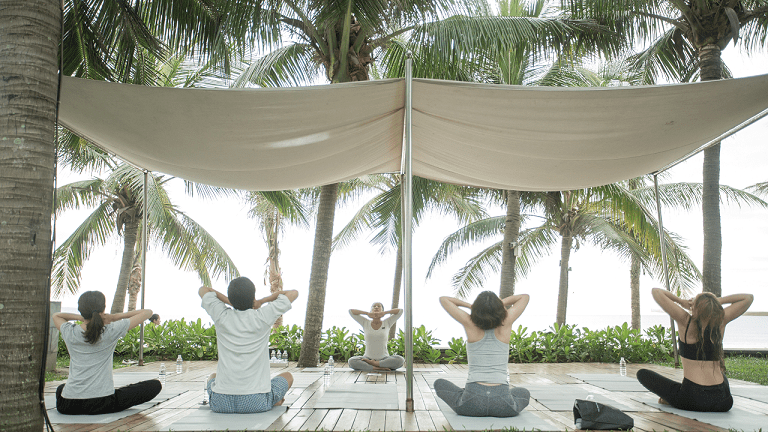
(589, 414)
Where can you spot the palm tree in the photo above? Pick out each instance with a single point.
(685, 37)
(272, 219)
(382, 214)
(119, 203)
(609, 217)
(341, 39)
(518, 63)
(118, 40)
(677, 195)
(27, 159)
(680, 196)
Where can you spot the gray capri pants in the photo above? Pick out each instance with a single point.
(477, 400)
(392, 362)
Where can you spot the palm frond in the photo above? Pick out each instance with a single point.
(71, 254)
(289, 66)
(477, 269)
(471, 233)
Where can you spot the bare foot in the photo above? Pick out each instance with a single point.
(279, 403)
(663, 402)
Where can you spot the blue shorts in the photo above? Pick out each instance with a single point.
(251, 403)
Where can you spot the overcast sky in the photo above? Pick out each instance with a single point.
(359, 275)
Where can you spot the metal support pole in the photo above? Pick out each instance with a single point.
(407, 189)
(664, 263)
(144, 232)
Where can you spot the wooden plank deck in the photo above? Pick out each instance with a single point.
(427, 416)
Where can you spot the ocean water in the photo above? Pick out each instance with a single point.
(746, 332)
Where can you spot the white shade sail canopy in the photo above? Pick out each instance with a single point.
(507, 137)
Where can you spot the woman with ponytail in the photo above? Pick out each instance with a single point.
(90, 388)
(704, 387)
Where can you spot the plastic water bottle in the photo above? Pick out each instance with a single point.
(285, 356)
(179, 364)
(623, 367)
(327, 373)
(205, 394)
(330, 364)
(273, 359)
(162, 374)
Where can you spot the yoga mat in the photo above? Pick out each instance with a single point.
(58, 418)
(524, 421)
(736, 418)
(758, 393)
(560, 397)
(304, 380)
(50, 406)
(459, 380)
(203, 419)
(322, 369)
(612, 382)
(360, 396)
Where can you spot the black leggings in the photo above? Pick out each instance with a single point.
(688, 396)
(124, 397)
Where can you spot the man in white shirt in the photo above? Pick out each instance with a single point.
(241, 383)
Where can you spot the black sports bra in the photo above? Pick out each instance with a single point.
(691, 351)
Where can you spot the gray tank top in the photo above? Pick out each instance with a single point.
(488, 360)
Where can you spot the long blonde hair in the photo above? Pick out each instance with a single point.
(708, 316)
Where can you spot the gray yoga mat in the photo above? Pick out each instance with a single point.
(758, 393)
(526, 420)
(360, 396)
(736, 418)
(561, 397)
(612, 382)
(203, 419)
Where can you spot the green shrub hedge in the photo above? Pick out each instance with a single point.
(559, 344)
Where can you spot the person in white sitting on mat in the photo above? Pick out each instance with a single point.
(241, 383)
(376, 332)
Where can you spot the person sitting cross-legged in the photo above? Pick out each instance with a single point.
(90, 387)
(376, 331)
(700, 341)
(241, 383)
(488, 328)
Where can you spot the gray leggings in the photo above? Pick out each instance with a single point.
(392, 362)
(477, 400)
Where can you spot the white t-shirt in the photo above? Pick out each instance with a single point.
(90, 365)
(243, 340)
(376, 340)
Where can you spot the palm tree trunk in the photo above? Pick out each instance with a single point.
(29, 31)
(511, 233)
(134, 284)
(562, 296)
(634, 284)
(129, 244)
(397, 284)
(274, 274)
(321, 260)
(711, 69)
